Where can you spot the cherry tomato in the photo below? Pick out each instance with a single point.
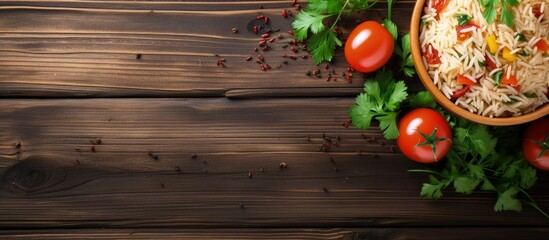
(535, 143)
(464, 80)
(369, 47)
(431, 54)
(461, 92)
(463, 35)
(542, 45)
(424, 135)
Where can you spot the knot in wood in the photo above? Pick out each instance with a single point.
(32, 175)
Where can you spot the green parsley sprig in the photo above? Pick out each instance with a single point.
(381, 100)
(490, 13)
(309, 24)
(406, 61)
(481, 158)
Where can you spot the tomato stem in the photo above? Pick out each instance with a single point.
(431, 140)
(543, 145)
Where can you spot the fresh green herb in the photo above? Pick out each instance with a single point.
(477, 160)
(380, 100)
(391, 27)
(530, 95)
(506, 16)
(388, 24)
(521, 37)
(497, 77)
(422, 99)
(463, 19)
(510, 101)
(483, 64)
(424, 21)
(309, 24)
(406, 60)
(523, 53)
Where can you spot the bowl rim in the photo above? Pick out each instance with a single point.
(445, 102)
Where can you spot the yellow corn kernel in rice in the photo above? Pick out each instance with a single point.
(508, 55)
(492, 44)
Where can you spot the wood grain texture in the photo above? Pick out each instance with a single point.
(48, 183)
(296, 234)
(89, 49)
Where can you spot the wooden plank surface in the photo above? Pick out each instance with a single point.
(296, 234)
(141, 77)
(359, 183)
(89, 49)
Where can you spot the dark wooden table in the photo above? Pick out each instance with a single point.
(129, 129)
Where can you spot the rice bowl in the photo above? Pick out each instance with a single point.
(490, 70)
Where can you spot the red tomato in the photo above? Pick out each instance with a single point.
(461, 92)
(461, 35)
(542, 45)
(439, 5)
(465, 80)
(431, 55)
(511, 80)
(424, 135)
(369, 47)
(535, 143)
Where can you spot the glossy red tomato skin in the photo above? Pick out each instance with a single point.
(537, 131)
(424, 120)
(369, 47)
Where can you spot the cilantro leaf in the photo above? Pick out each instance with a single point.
(388, 124)
(476, 171)
(527, 177)
(391, 27)
(489, 14)
(360, 113)
(482, 141)
(322, 39)
(463, 18)
(409, 71)
(381, 100)
(322, 45)
(465, 184)
(497, 77)
(317, 6)
(507, 201)
(422, 99)
(406, 60)
(431, 191)
(512, 2)
(487, 185)
(507, 16)
(398, 95)
(306, 21)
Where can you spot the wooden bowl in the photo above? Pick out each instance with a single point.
(439, 96)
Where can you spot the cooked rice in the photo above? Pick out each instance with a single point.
(465, 57)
